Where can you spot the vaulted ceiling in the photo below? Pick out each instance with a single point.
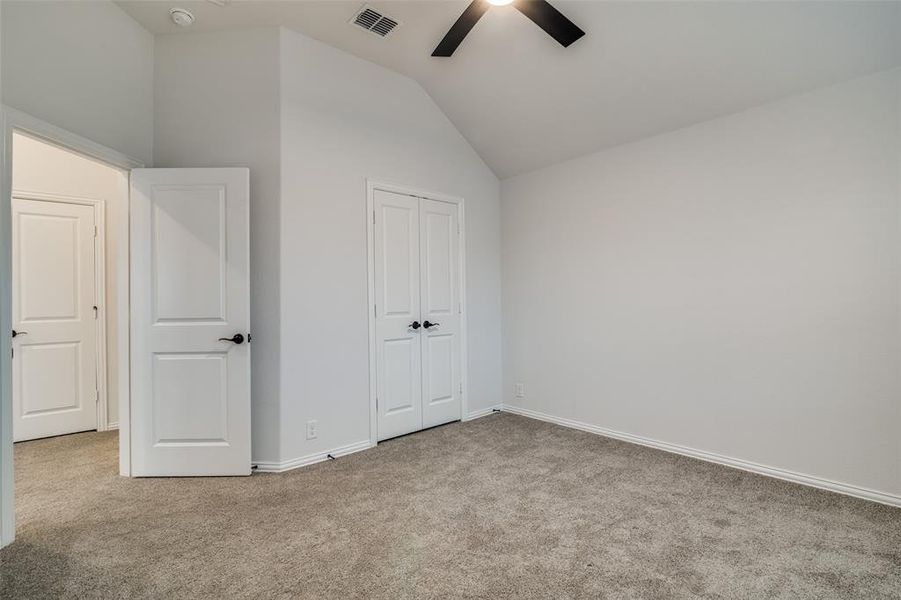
(643, 68)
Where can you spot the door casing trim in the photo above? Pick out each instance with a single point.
(100, 211)
(386, 186)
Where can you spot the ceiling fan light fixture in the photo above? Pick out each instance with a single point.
(552, 21)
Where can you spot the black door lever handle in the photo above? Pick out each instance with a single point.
(426, 324)
(235, 339)
(414, 325)
(15, 333)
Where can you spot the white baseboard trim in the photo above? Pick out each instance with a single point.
(111, 426)
(735, 463)
(303, 461)
(482, 412)
(311, 459)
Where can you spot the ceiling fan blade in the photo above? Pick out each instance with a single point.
(551, 20)
(463, 26)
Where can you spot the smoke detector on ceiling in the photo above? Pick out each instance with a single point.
(181, 17)
(374, 22)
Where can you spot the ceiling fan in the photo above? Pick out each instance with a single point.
(539, 11)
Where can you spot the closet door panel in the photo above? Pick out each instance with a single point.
(441, 308)
(397, 314)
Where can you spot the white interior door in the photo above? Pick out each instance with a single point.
(417, 313)
(397, 321)
(442, 389)
(55, 339)
(190, 296)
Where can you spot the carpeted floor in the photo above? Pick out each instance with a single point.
(500, 507)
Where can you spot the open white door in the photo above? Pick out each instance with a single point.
(190, 322)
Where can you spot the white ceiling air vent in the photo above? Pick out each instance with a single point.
(374, 22)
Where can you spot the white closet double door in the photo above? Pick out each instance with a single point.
(418, 308)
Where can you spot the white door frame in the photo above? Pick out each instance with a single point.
(15, 120)
(371, 187)
(99, 207)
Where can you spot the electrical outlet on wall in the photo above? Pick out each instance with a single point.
(520, 390)
(312, 430)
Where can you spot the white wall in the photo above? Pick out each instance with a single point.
(345, 120)
(84, 66)
(312, 123)
(217, 105)
(46, 169)
(732, 287)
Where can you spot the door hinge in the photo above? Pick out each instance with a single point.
(460, 388)
(95, 231)
(95, 312)
(376, 404)
(373, 217)
(97, 396)
(375, 310)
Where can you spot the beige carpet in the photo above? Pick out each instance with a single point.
(501, 507)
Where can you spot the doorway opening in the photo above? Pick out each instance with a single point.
(65, 310)
(48, 171)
